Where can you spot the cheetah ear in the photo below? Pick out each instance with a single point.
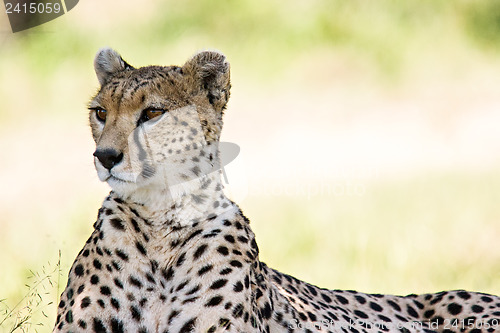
(107, 62)
(210, 70)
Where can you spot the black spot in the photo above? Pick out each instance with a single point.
(412, 312)
(82, 324)
(190, 300)
(79, 271)
(375, 307)
(247, 281)
(182, 285)
(360, 299)
(463, 295)
(122, 255)
(172, 315)
(118, 283)
(312, 290)
(85, 302)
(136, 313)
(196, 170)
(135, 282)
(181, 259)
(429, 313)
(238, 286)
(477, 309)
(199, 251)
(418, 304)
(394, 305)
(188, 326)
(486, 299)
(205, 269)
(218, 284)
(223, 250)
(116, 326)
(99, 326)
(454, 308)
(105, 291)
(342, 299)
(191, 236)
(80, 289)
(238, 311)
(229, 238)
(384, 318)
(118, 200)
(86, 253)
(192, 291)
(235, 263)
(97, 264)
(141, 248)
(326, 298)
(94, 279)
(214, 301)
(69, 316)
(115, 303)
(117, 224)
(135, 225)
(360, 314)
(436, 300)
(62, 304)
(226, 271)
(116, 265)
(150, 278)
(242, 239)
(267, 312)
(168, 273)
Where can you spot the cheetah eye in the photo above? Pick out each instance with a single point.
(100, 113)
(150, 113)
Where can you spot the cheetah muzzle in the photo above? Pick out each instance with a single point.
(171, 253)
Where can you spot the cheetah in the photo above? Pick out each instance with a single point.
(171, 253)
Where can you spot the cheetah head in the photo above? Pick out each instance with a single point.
(157, 128)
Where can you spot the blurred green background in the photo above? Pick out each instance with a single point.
(369, 135)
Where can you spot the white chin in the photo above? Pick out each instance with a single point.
(103, 175)
(121, 186)
(117, 184)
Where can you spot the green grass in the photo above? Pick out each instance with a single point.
(33, 311)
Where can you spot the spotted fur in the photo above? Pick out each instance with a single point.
(171, 253)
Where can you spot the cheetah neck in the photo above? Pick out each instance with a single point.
(184, 204)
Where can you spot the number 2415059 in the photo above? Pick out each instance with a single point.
(33, 8)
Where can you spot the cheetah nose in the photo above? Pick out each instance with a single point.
(108, 157)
